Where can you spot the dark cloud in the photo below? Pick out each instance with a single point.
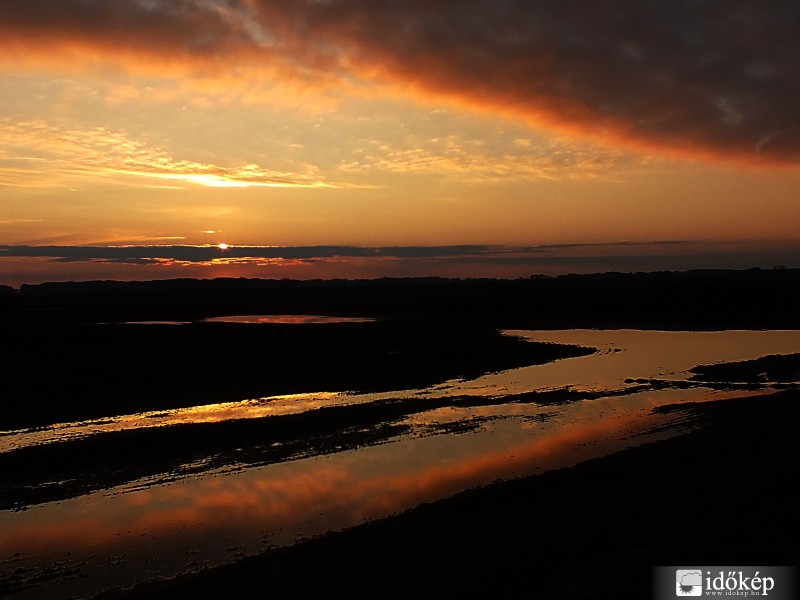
(543, 253)
(305, 262)
(716, 77)
(147, 26)
(704, 77)
(153, 254)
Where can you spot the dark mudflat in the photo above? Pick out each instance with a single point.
(67, 371)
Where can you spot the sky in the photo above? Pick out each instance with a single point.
(368, 138)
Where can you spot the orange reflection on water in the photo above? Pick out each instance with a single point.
(286, 319)
(310, 496)
(208, 413)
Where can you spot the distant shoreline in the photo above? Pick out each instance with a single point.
(707, 299)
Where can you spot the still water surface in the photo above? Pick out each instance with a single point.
(150, 527)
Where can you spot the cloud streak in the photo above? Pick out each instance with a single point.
(36, 154)
(712, 79)
(144, 254)
(471, 161)
(576, 253)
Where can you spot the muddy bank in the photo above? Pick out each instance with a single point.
(62, 372)
(779, 368)
(720, 494)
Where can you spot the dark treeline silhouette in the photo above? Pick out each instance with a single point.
(695, 299)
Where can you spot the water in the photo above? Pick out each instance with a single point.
(265, 320)
(286, 319)
(159, 526)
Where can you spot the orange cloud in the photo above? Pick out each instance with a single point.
(470, 161)
(36, 154)
(715, 80)
(710, 80)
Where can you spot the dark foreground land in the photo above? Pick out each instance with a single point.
(722, 494)
(71, 356)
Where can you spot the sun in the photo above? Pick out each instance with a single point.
(222, 246)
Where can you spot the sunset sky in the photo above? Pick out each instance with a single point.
(363, 138)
